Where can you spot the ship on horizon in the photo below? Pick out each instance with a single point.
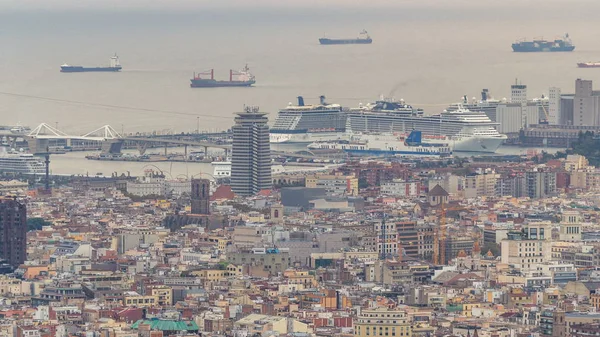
(113, 67)
(541, 45)
(363, 38)
(588, 65)
(243, 78)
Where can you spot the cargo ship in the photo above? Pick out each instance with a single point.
(243, 78)
(387, 145)
(113, 67)
(589, 65)
(541, 45)
(363, 38)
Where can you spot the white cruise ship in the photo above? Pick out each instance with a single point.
(468, 131)
(23, 163)
(309, 123)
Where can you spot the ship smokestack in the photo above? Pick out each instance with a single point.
(322, 99)
(484, 95)
(465, 99)
(300, 101)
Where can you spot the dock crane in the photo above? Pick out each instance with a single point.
(546, 114)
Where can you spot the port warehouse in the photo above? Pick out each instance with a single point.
(84, 145)
(562, 136)
(537, 135)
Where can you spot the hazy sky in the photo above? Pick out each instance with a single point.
(321, 4)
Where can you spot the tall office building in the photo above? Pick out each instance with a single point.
(200, 196)
(554, 115)
(518, 93)
(586, 104)
(251, 153)
(566, 109)
(540, 183)
(518, 96)
(13, 231)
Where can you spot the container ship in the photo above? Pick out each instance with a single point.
(305, 124)
(242, 78)
(387, 145)
(113, 67)
(468, 131)
(363, 38)
(541, 45)
(589, 65)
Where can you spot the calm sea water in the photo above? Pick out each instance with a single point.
(429, 55)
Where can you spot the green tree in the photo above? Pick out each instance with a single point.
(362, 183)
(36, 224)
(491, 247)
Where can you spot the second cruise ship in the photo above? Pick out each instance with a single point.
(20, 163)
(468, 131)
(309, 123)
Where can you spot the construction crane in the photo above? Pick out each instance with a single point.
(439, 242)
(547, 120)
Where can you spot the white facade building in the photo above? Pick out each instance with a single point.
(177, 187)
(155, 184)
(516, 116)
(554, 115)
(518, 93)
(528, 249)
(586, 104)
(401, 188)
(150, 184)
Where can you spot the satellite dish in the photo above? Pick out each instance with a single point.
(21, 150)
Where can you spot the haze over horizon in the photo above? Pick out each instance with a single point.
(63, 5)
(428, 52)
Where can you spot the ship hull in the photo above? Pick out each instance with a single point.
(478, 144)
(326, 41)
(76, 69)
(529, 49)
(219, 84)
(429, 126)
(386, 153)
(386, 145)
(587, 65)
(305, 138)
